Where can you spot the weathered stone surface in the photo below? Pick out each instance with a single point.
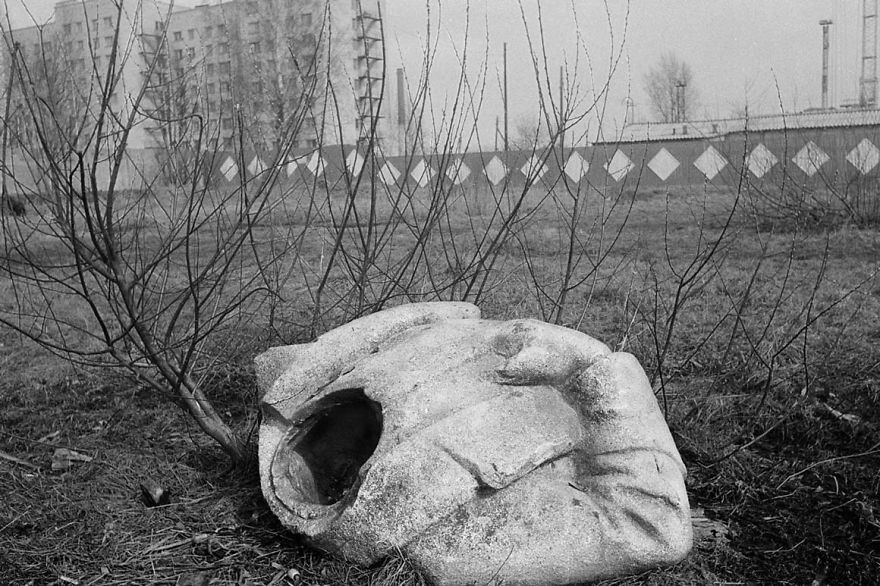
(517, 451)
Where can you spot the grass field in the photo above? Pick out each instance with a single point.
(761, 338)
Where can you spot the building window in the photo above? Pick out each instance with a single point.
(254, 28)
(79, 27)
(67, 28)
(209, 69)
(225, 68)
(255, 47)
(224, 87)
(178, 53)
(224, 48)
(208, 31)
(306, 19)
(221, 29)
(227, 123)
(191, 33)
(97, 62)
(178, 35)
(108, 21)
(109, 40)
(209, 49)
(190, 52)
(251, 8)
(211, 88)
(80, 45)
(179, 72)
(96, 43)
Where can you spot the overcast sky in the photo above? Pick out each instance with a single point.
(766, 53)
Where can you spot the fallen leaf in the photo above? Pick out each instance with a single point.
(62, 458)
(154, 495)
(195, 579)
(825, 410)
(708, 531)
(49, 437)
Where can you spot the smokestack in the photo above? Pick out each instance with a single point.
(401, 104)
(506, 135)
(401, 112)
(825, 24)
(868, 81)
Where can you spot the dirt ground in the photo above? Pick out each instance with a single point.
(783, 469)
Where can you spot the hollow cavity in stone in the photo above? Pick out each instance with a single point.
(334, 440)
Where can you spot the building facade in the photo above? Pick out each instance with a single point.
(268, 72)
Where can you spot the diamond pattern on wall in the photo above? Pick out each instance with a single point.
(496, 171)
(422, 173)
(864, 157)
(291, 166)
(256, 166)
(619, 165)
(389, 173)
(710, 163)
(316, 165)
(458, 172)
(229, 169)
(810, 158)
(534, 168)
(576, 167)
(663, 164)
(760, 161)
(354, 162)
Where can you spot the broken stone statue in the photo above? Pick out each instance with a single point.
(512, 452)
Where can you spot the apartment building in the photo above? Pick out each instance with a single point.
(257, 68)
(66, 61)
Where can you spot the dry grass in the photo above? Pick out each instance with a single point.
(788, 465)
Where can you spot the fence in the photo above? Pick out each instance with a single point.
(808, 158)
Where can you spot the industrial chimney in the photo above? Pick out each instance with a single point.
(825, 24)
(868, 80)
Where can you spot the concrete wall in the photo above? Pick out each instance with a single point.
(810, 158)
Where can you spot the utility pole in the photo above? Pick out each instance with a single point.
(826, 46)
(506, 122)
